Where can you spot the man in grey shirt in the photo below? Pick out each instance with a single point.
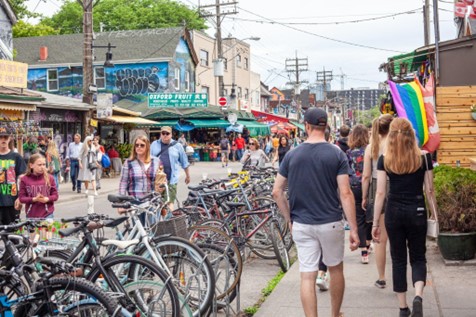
(74, 149)
(316, 173)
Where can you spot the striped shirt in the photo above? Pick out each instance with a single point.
(136, 180)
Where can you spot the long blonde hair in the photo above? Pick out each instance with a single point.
(147, 149)
(402, 155)
(380, 128)
(86, 148)
(29, 170)
(51, 149)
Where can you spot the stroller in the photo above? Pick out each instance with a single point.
(190, 151)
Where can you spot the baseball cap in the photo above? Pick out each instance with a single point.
(316, 116)
(6, 130)
(166, 128)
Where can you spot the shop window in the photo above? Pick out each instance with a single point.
(187, 80)
(100, 77)
(246, 63)
(52, 80)
(203, 58)
(177, 79)
(238, 60)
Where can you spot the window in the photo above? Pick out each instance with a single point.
(205, 90)
(203, 58)
(238, 60)
(187, 80)
(246, 63)
(239, 92)
(177, 79)
(225, 63)
(52, 80)
(100, 77)
(225, 92)
(247, 93)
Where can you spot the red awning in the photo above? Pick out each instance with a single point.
(282, 127)
(268, 117)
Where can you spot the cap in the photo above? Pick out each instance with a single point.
(316, 116)
(41, 138)
(166, 128)
(6, 129)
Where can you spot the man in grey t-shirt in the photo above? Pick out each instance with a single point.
(316, 173)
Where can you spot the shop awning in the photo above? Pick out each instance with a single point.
(210, 123)
(268, 117)
(255, 128)
(135, 120)
(17, 107)
(299, 125)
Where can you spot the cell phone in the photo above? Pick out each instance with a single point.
(420, 209)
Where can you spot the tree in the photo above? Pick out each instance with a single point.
(24, 29)
(366, 117)
(115, 15)
(21, 10)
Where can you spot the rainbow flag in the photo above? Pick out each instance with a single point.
(408, 100)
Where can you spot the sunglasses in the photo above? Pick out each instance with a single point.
(141, 145)
(165, 133)
(251, 143)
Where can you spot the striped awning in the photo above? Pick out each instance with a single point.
(16, 106)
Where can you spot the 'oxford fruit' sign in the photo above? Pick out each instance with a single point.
(178, 100)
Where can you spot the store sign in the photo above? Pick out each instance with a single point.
(104, 106)
(178, 100)
(11, 115)
(13, 74)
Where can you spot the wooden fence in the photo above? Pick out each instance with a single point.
(457, 127)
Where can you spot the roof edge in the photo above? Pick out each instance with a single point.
(9, 10)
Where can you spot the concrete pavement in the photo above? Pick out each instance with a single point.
(450, 290)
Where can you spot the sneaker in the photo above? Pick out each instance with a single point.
(370, 248)
(95, 193)
(405, 312)
(86, 192)
(380, 283)
(74, 189)
(79, 191)
(321, 282)
(365, 258)
(417, 307)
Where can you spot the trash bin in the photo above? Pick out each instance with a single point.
(206, 156)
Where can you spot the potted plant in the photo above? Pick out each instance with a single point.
(455, 191)
(473, 111)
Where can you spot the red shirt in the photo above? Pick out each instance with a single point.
(113, 153)
(240, 143)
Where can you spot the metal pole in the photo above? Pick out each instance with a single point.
(87, 50)
(426, 22)
(437, 40)
(219, 47)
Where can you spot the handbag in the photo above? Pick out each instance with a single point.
(433, 228)
(92, 165)
(369, 210)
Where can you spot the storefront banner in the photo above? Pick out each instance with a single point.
(56, 115)
(13, 74)
(93, 123)
(11, 115)
(104, 106)
(177, 100)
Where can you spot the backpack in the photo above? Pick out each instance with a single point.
(224, 144)
(105, 161)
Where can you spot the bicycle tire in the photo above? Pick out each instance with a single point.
(69, 284)
(211, 237)
(167, 247)
(279, 247)
(135, 263)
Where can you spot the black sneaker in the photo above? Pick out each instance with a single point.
(381, 284)
(405, 312)
(74, 189)
(79, 191)
(417, 307)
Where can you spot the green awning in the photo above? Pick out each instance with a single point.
(210, 123)
(255, 128)
(163, 123)
(404, 64)
(299, 125)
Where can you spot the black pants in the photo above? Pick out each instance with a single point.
(364, 228)
(8, 214)
(405, 221)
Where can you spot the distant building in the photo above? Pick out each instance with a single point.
(360, 98)
(7, 20)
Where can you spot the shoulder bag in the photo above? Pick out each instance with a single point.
(433, 227)
(91, 164)
(369, 210)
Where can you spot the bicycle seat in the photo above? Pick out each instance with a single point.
(235, 204)
(197, 187)
(119, 198)
(120, 244)
(114, 222)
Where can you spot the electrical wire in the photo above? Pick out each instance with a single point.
(322, 36)
(329, 23)
(161, 47)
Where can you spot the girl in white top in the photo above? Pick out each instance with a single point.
(254, 154)
(380, 128)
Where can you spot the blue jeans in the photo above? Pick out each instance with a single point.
(239, 154)
(56, 177)
(405, 221)
(74, 172)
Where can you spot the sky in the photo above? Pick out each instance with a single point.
(349, 38)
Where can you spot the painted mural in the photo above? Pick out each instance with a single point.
(131, 81)
(6, 39)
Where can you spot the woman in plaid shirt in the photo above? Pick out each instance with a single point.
(139, 171)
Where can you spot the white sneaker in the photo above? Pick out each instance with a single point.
(95, 193)
(321, 282)
(86, 192)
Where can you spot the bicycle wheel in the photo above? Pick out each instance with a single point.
(131, 268)
(279, 248)
(192, 273)
(227, 265)
(70, 294)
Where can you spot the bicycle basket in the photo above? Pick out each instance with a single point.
(176, 226)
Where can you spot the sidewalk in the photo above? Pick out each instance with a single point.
(108, 185)
(450, 291)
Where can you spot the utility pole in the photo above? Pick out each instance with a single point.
(426, 22)
(296, 66)
(324, 77)
(87, 50)
(219, 15)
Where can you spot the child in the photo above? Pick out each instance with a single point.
(38, 189)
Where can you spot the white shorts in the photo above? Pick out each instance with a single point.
(313, 240)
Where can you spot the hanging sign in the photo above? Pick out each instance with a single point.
(13, 74)
(178, 100)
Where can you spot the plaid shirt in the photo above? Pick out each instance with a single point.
(134, 181)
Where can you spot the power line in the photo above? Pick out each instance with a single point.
(330, 23)
(322, 36)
